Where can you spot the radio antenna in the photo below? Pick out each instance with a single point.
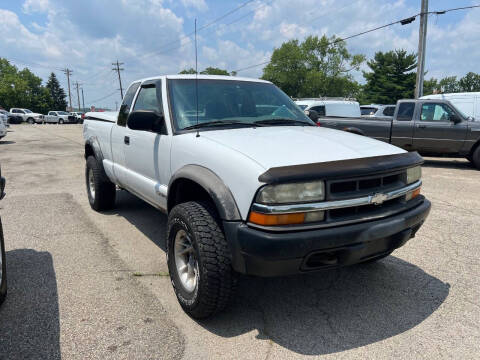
(196, 76)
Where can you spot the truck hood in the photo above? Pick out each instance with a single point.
(294, 145)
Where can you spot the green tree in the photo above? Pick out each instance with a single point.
(59, 98)
(22, 89)
(314, 67)
(392, 77)
(208, 71)
(188, 71)
(214, 71)
(430, 86)
(449, 84)
(470, 82)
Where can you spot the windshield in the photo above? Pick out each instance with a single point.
(27, 111)
(62, 113)
(231, 102)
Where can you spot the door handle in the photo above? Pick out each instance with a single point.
(422, 126)
(126, 140)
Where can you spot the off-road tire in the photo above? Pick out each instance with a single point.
(105, 190)
(216, 281)
(3, 282)
(476, 158)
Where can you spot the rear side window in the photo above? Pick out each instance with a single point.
(319, 109)
(405, 111)
(126, 103)
(389, 110)
(368, 111)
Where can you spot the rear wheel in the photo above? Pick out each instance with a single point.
(476, 158)
(3, 268)
(199, 260)
(100, 190)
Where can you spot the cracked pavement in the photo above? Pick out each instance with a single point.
(87, 285)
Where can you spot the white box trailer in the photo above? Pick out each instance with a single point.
(466, 102)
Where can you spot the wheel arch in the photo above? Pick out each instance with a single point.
(354, 130)
(92, 148)
(194, 182)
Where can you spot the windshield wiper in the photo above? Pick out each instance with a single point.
(220, 123)
(283, 121)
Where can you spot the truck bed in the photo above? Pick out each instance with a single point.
(376, 128)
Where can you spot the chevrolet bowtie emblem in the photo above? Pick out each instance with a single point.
(378, 198)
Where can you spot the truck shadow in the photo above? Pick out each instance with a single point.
(316, 313)
(449, 163)
(29, 317)
(4, 142)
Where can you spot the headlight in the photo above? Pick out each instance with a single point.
(414, 174)
(292, 193)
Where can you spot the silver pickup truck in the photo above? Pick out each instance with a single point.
(430, 127)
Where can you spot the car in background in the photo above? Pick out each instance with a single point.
(378, 111)
(27, 115)
(60, 117)
(3, 265)
(3, 126)
(79, 116)
(326, 107)
(11, 119)
(467, 102)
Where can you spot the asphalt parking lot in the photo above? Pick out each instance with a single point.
(87, 285)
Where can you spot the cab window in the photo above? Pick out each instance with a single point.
(148, 99)
(405, 111)
(389, 110)
(435, 112)
(126, 104)
(319, 109)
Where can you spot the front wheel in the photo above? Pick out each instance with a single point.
(100, 190)
(60, 121)
(3, 267)
(199, 260)
(31, 121)
(475, 158)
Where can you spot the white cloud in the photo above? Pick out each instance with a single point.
(200, 5)
(32, 6)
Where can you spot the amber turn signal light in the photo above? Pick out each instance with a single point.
(274, 219)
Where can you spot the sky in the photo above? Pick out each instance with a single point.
(154, 37)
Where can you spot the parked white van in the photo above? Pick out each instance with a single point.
(467, 102)
(330, 107)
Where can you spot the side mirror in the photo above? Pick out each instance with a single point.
(455, 118)
(145, 120)
(312, 114)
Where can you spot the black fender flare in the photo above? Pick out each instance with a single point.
(354, 130)
(95, 145)
(222, 196)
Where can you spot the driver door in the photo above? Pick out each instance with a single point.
(147, 153)
(435, 131)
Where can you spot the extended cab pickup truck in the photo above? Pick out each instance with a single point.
(250, 184)
(430, 127)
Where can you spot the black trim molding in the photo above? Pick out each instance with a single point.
(341, 168)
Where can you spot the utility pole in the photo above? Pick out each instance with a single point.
(118, 69)
(77, 85)
(422, 39)
(68, 72)
(83, 102)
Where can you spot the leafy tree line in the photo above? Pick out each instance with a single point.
(22, 88)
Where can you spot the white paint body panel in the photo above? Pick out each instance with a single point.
(467, 102)
(237, 156)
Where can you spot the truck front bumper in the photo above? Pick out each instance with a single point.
(261, 253)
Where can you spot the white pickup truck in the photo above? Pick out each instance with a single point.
(250, 184)
(60, 117)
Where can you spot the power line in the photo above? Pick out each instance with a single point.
(402, 21)
(199, 29)
(103, 98)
